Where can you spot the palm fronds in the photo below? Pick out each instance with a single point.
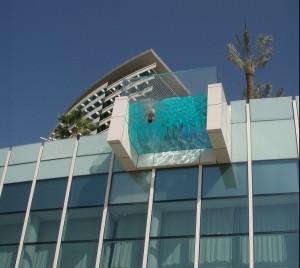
(73, 124)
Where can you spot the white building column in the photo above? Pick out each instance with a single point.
(4, 171)
(198, 220)
(250, 189)
(27, 214)
(148, 223)
(65, 206)
(104, 213)
(296, 120)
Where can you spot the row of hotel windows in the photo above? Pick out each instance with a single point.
(106, 93)
(224, 218)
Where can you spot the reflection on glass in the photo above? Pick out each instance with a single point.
(14, 197)
(126, 221)
(43, 226)
(224, 216)
(276, 250)
(11, 228)
(125, 254)
(38, 256)
(174, 184)
(88, 190)
(8, 256)
(225, 251)
(173, 218)
(78, 255)
(224, 180)
(82, 224)
(130, 187)
(276, 213)
(171, 252)
(279, 176)
(49, 194)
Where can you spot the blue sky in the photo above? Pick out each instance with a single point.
(52, 51)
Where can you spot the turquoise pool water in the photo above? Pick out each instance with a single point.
(171, 124)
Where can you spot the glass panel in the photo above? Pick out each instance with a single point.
(8, 256)
(78, 255)
(224, 180)
(24, 153)
(130, 187)
(94, 144)
(49, 194)
(38, 256)
(173, 218)
(224, 216)
(238, 111)
(117, 167)
(271, 109)
(1, 170)
(14, 197)
(238, 142)
(54, 168)
(82, 224)
(178, 252)
(276, 250)
(276, 213)
(20, 173)
(176, 158)
(275, 177)
(43, 226)
(169, 124)
(3, 155)
(125, 254)
(58, 149)
(273, 140)
(92, 164)
(227, 252)
(88, 190)
(179, 183)
(11, 228)
(126, 221)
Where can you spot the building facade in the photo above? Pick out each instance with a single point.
(230, 201)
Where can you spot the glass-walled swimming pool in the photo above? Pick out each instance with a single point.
(170, 124)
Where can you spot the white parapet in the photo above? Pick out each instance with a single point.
(118, 136)
(218, 123)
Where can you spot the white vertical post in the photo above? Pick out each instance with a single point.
(149, 216)
(250, 189)
(4, 171)
(198, 220)
(27, 214)
(296, 120)
(104, 213)
(65, 206)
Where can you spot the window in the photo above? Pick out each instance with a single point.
(225, 180)
(224, 216)
(278, 176)
(126, 220)
(176, 184)
(44, 221)
(173, 220)
(13, 204)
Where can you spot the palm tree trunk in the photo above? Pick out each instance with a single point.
(250, 86)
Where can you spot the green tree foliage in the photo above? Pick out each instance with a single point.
(73, 124)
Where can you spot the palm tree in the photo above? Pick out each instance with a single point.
(248, 58)
(73, 124)
(265, 91)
